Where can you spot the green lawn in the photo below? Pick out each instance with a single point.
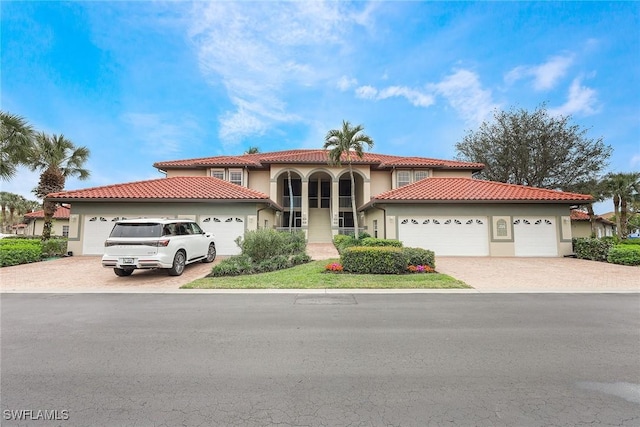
(312, 276)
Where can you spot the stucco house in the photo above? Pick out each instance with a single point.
(581, 225)
(424, 202)
(34, 222)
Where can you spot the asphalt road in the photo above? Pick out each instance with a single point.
(320, 360)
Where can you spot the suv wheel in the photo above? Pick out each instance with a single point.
(211, 253)
(121, 272)
(179, 261)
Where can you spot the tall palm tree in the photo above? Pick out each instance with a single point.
(14, 203)
(624, 188)
(58, 159)
(16, 144)
(343, 144)
(4, 201)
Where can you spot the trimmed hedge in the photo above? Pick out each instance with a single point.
(593, 249)
(343, 241)
(15, 252)
(374, 260)
(624, 254)
(629, 242)
(54, 247)
(372, 241)
(418, 256)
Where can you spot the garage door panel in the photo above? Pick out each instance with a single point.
(535, 236)
(98, 227)
(225, 229)
(446, 236)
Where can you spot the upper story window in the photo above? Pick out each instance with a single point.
(420, 174)
(218, 173)
(403, 178)
(235, 176)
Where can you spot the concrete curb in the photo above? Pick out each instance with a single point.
(321, 291)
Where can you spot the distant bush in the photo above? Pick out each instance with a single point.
(629, 242)
(372, 241)
(593, 249)
(374, 260)
(624, 254)
(418, 256)
(54, 248)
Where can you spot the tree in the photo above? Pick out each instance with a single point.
(344, 144)
(624, 188)
(597, 190)
(16, 144)
(252, 150)
(58, 159)
(536, 149)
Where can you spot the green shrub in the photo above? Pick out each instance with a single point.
(374, 260)
(21, 252)
(593, 249)
(233, 266)
(263, 244)
(10, 241)
(418, 256)
(624, 254)
(344, 241)
(372, 241)
(299, 259)
(54, 247)
(629, 242)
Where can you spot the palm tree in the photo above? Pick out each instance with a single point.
(252, 150)
(4, 201)
(345, 143)
(624, 188)
(58, 159)
(14, 203)
(16, 144)
(596, 188)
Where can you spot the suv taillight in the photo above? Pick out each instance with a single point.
(159, 243)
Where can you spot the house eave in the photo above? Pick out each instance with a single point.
(375, 202)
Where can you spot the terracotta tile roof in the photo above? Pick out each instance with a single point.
(62, 212)
(174, 188)
(577, 215)
(469, 189)
(314, 157)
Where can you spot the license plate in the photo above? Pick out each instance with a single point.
(127, 260)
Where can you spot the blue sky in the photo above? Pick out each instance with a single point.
(140, 82)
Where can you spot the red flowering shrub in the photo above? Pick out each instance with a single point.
(336, 267)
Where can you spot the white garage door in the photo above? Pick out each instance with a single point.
(453, 235)
(535, 236)
(225, 229)
(96, 231)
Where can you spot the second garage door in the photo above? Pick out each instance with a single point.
(535, 236)
(225, 229)
(446, 236)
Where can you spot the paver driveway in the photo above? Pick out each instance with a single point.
(85, 274)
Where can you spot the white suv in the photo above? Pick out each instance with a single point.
(156, 243)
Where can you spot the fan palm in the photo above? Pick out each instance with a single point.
(343, 144)
(624, 188)
(16, 144)
(58, 159)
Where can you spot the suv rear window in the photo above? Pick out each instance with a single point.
(137, 230)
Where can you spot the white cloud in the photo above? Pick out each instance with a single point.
(257, 51)
(581, 100)
(546, 75)
(165, 134)
(635, 161)
(415, 97)
(367, 92)
(465, 94)
(345, 83)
